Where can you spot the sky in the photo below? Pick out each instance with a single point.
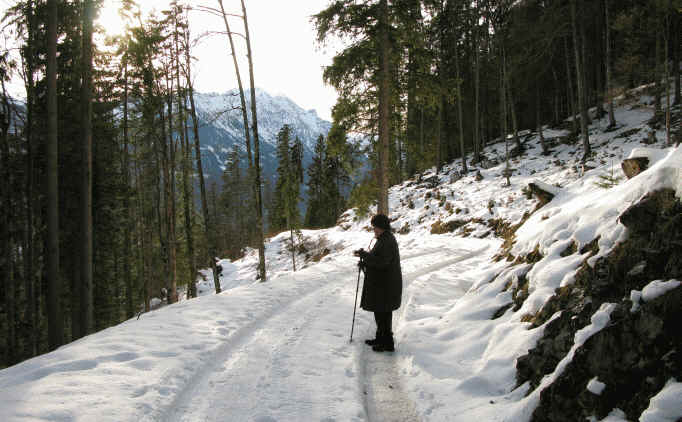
(280, 350)
(287, 59)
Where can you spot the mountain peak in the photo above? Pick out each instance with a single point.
(222, 126)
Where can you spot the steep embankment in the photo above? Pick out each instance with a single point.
(578, 316)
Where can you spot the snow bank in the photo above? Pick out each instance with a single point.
(595, 386)
(657, 288)
(666, 405)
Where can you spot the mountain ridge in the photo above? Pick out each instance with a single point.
(222, 127)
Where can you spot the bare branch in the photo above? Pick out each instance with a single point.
(213, 11)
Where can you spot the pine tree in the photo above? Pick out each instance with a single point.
(278, 213)
(54, 318)
(313, 217)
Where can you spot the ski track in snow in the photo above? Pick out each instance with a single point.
(212, 393)
(195, 400)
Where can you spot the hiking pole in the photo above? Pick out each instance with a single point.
(357, 287)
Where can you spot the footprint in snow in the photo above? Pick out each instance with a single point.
(265, 419)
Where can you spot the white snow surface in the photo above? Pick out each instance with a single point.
(595, 386)
(658, 288)
(280, 351)
(665, 406)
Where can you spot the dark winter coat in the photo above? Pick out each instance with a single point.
(383, 286)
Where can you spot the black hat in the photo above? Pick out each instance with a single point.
(382, 222)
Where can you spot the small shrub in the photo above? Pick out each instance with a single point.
(608, 180)
(440, 227)
(405, 229)
(363, 196)
(491, 205)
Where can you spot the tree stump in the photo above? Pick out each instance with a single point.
(633, 166)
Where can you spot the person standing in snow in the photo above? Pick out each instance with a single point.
(383, 286)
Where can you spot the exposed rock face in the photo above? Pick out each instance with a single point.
(639, 351)
(542, 192)
(634, 357)
(633, 166)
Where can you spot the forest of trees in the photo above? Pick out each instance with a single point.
(429, 81)
(104, 204)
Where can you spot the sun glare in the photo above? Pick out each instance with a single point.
(109, 18)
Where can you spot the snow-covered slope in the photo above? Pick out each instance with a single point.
(279, 351)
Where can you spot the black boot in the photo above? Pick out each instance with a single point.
(384, 343)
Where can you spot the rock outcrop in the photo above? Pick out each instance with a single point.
(640, 349)
(633, 166)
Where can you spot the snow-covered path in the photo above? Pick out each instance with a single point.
(285, 357)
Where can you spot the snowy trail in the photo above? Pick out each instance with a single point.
(385, 395)
(214, 392)
(275, 357)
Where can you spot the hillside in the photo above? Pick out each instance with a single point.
(513, 310)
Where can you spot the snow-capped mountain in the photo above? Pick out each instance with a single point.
(222, 126)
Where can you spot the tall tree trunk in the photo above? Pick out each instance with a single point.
(503, 113)
(162, 195)
(384, 106)
(459, 113)
(477, 89)
(86, 311)
(609, 94)
(55, 325)
(186, 171)
(676, 54)
(6, 247)
(557, 100)
(421, 131)
(581, 89)
(143, 233)
(208, 229)
(29, 244)
(570, 93)
(666, 72)
(439, 133)
(130, 310)
(29, 265)
(587, 92)
(411, 127)
(170, 204)
(510, 104)
(293, 244)
(538, 122)
(256, 152)
(247, 136)
(657, 75)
